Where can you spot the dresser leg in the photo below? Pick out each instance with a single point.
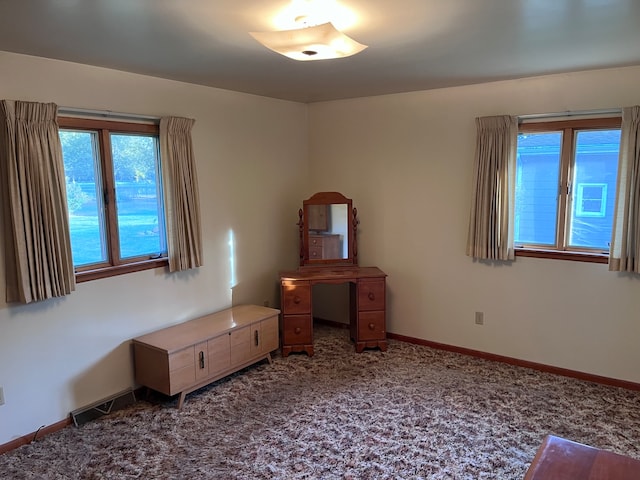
(308, 349)
(381, 344)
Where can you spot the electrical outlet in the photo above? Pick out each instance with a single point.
(479, 318)
(1, 396)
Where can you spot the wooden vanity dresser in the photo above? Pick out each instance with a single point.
(367, 285)
(366, 305)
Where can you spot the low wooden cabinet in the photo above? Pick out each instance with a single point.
(184, 357)
(367, 306)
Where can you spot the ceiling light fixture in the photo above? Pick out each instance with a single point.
(317, 42)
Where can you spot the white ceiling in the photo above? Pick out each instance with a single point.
(413, 44)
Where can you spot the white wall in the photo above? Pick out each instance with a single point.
(406, 161)
(58, 355)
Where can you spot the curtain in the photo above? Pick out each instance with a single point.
(38, 261)
(490, 234)
(625, 236)
(182, 205)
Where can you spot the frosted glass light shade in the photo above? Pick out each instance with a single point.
(319, 42)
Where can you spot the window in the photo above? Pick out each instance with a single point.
(591, 200)
(566, 174)
(114, 196)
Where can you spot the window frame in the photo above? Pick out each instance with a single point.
(113, 266)
(568, 128)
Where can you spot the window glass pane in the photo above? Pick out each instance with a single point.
(84, 196)
(537, 180)
(594, 187)
(138, 198)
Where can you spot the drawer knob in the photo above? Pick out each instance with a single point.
(296, 299)
(297, 330)
(371, 296)
(372, 326)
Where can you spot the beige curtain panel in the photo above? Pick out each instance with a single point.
(493, 199)
(37, 242)
(182, 204)
(624, 250)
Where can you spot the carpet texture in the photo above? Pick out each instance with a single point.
(409, 413)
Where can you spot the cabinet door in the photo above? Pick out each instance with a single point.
(182, 370)
(219, 353)
(270, 340)
(240, 342)
(267, 339)
(318, 217)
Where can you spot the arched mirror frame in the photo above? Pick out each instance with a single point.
(328, 199)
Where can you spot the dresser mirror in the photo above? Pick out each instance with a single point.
(328, 223)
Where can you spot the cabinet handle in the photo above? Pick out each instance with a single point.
(372, 326)
(255, 339)
(297, 330)
(371, 296)
(201, 360)
(297, 299)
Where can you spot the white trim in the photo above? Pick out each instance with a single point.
(89, 113)
(568, 114)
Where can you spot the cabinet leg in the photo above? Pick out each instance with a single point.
(181, 400)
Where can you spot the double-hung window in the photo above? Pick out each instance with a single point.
(566, 173)
(114, 196)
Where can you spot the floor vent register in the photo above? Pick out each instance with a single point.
(103, 407)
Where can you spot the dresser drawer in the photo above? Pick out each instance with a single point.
(371, 326)
(296, 298)
(315, 241)
(371, 294)
(296, 329)
(315, 253)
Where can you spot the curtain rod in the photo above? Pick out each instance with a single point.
(569, 113)
(107, 114)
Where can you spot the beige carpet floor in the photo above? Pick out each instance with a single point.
(409, 413)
